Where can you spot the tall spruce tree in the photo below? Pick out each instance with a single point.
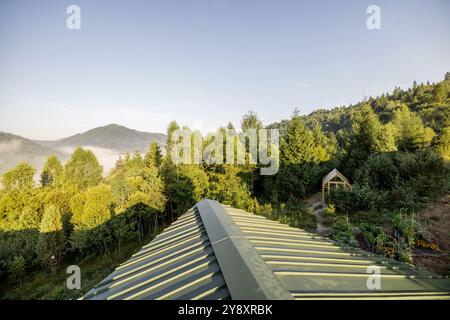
(297, 145)
(411, 133)
(299, 159)
(367, 136)
(153, 157)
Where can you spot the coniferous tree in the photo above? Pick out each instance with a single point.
(367, 136)
(299, 159)
(411, 133)
(137, 181)
(251, 121)
(153, 157)
(447, 76)
(173, 126)
(297, 145)
(442, 144)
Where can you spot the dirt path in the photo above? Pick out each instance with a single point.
(315, 203)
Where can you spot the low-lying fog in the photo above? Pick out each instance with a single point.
(14, 151)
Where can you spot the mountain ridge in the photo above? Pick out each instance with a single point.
(113, 138)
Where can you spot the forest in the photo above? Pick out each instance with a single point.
(395, 150)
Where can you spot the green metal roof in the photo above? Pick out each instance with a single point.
(178, 264)
(218, 252)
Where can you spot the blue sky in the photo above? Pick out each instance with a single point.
(206, 62)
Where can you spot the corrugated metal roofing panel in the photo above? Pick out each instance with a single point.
(245, 272)
(313, 267)
(218, 252)
(178, 264)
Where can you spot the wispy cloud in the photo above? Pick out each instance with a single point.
(303, 85)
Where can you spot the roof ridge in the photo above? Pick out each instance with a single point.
(254, 280)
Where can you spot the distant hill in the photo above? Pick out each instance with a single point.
(111, 136)
(431, 101)
(14, 149)
(107, 142)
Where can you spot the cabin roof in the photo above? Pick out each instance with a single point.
(335, 173)
(217, 252)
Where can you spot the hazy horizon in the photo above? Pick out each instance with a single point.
(203, 131)
(204, 63)
(81, 132)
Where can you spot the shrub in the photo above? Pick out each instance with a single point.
(341, 231)
(330, 209)
(17, 268)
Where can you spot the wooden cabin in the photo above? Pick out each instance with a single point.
(334, 178)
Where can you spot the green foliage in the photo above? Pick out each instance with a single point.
(291, 213)
(17, 267)
(344, 200)
(173, 126)
(83, 169)
(430, 101)
(134, 181)
(393, 181)
(90, 212)
(325, 145)
(330, 210)
(442, 144)
(367, 136)
(227, 187)
(11, 206)
(301, 153)
(153, 157)
(52, 172)
(97, 208)
(297, 145)
(251, 121)
(19, 178)
(447, 76)
(18, 243)
(341, 231)
(51, 239)
(392, 148)
(295, 181)
(406, 226)
(29, 219)
(411, 133)
(393, 247)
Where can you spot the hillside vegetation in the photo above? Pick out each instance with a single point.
(393, 149)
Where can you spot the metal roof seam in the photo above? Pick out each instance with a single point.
(217, 252)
